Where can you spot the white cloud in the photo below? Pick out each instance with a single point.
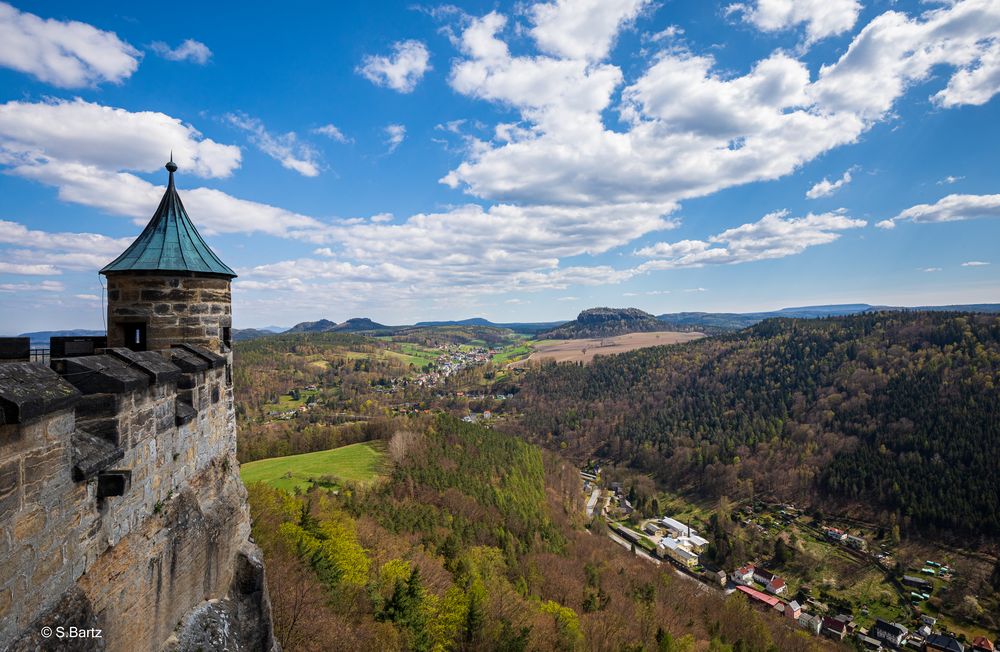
(77, 251)
(87, 297)
(773, 236)
(975, 263)
(400, 71)
(332, 132)
(825, 188)
(76, 131)
(27, 269)
(394, 136)
(931, 270)
(895, 51)
(287, 149)
(976, 83)
(581, 29)
(952, 208)
(68, 54)
(949, 180)
(190, 50)
(822, 18)
(568, 299)
(689, 128)
(44, 286)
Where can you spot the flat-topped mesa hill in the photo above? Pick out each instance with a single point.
(606, 322)
(354, 325)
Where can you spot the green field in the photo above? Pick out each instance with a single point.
(355, 462)
(286, 402)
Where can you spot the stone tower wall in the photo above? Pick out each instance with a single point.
(175, 542)
(175, 309)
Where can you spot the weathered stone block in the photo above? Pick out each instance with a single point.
(29, 391)
(101, 374)
(10, 481)
(28, 523)
(46, 566)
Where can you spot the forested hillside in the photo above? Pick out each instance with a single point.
(895, 413)
(475, 541)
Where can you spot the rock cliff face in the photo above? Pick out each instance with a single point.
(606, 322)
(121, 507)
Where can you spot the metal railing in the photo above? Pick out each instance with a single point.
(40, 355)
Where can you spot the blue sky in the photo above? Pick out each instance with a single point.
(518, 161)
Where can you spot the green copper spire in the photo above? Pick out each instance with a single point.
(169, 243)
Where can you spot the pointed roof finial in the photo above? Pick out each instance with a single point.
(171, 166)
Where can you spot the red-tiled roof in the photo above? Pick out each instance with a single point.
(769, 600)
(982, 643)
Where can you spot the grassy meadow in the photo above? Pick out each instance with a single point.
(353, 463)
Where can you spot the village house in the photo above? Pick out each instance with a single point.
(743, 575)
(793, 610)
(835, 629)
(763, 576)
(982, 644)
(810, 623)
(918, 583)
(856, 542)
(942, 643)
(892, 634)
(760, 599)
(676, 550)
(776, 586)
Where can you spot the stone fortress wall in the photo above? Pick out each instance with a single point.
(191, 309)
(121, 506)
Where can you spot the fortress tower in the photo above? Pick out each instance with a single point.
(169, 287)
(122, 512)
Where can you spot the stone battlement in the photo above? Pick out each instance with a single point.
(121, 507)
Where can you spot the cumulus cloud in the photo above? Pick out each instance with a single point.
(89, 134)
(690, 128)
(44, 286)
(895, 51)
(825, 188)
(400, 71)
(822, 18)
(773, 236)
(952, 208)
(581, 29)
(190, 50)
(89, 153)
(976, 83)
(286, 149)
(332, 132)
(394, 136)
(76, 251)
(27, 269)
(68, 54)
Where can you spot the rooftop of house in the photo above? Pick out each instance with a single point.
(170, 242)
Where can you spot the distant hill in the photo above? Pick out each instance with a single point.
(718, 322)
(606, 322)
(41, 338)
(525, 328)
(359, 324)
(321, 326)
(243, 334)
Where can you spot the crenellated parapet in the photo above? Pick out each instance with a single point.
(119, 495)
